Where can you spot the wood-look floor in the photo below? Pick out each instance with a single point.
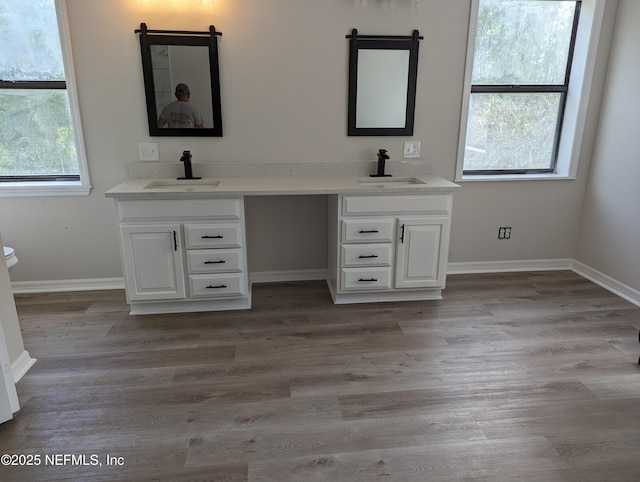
(511, 377)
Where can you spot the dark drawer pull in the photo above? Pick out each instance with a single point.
(367, 256)
(222, 261)
(211, 287)
(212, 237)
(369, 231)
(370, 279)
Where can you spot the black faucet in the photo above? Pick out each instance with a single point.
(188, 172)
(382, 157)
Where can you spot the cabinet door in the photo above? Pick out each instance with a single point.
(421, 252)
(152, 258)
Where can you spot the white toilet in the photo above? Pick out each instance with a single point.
(10, 256)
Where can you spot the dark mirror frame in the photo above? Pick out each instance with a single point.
(382, 42)
(177, 37)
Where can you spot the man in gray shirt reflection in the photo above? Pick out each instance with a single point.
(179, 113)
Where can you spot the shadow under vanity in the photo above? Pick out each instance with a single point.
(185, 246)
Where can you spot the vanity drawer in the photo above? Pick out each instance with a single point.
(212, 235)
(366, 255)
(367, 230)
(228, 285)
(365, 279)
(405, 204)
(151, 210)
(215, 260)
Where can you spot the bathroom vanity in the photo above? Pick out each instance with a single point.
(184, 244)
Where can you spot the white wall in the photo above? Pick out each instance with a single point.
(284, 98)
(609, 237)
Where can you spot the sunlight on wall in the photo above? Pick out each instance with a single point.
(185, 10)
(175, 3)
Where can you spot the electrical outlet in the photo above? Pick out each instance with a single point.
(504, 232)
(148, 151)
(411, 149)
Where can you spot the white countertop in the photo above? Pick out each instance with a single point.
(170, 188)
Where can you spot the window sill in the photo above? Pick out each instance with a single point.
(43, 189)
(514, 177)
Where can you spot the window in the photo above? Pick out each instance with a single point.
(517, 120)
(41, 147)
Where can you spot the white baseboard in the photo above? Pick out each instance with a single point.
(616, 287)
(53, 286)
(509, 266)
(290, 275)
(21, 365)
(601, 279)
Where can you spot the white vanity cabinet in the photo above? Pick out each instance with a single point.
(184, 255)
(389, 247)
(184, 244)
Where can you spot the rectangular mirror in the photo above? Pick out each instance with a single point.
(383, 72)
(182, 82)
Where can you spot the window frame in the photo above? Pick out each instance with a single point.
(55, 185)
(573, 104)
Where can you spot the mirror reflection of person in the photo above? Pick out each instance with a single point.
(180, 113)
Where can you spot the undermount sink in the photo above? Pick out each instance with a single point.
(183, 184)
(389, 181)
